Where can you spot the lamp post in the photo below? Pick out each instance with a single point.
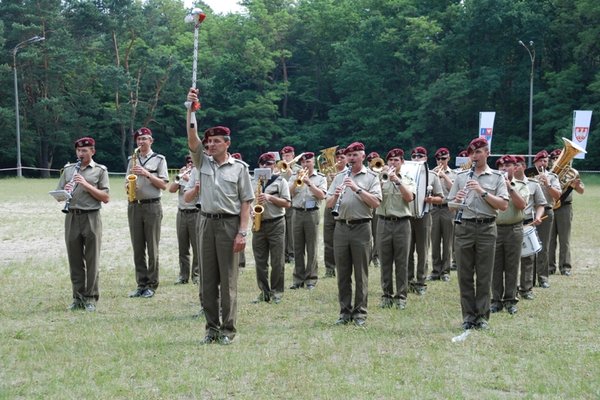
(15, 50)
(531, 51)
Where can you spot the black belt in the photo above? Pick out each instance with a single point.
(440, 205)
(217, 216)
(145, 201)
(306, 209)
(354, 221)
(190, 211)
(479, 220)
(516, 223)
(77, 211)
(266, 221)
(527, 221)
(392, 218)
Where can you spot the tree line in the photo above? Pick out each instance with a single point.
(307, 73)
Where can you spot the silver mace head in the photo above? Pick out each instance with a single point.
(196, 16)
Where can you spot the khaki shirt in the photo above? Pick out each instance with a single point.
(490, 180)
(351, 205)
(392, 203)
(94, 173)
(445, 190)
(156, 164)
(536, 198)
(554, 183)
(223, 187)
(278, 188)
(303, 197)
(512, 215)
(183, 187)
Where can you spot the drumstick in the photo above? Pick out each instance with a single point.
(543, 218)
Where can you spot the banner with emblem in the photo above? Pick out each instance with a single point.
(581, 129)
(486, 126)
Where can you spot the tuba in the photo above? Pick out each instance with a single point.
(258, 208)
(562, 168)
(132, 178)
(326, 161)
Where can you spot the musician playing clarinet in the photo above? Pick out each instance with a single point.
(481, 192)
(353, 195)
(89, 188)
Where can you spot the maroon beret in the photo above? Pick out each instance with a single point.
(237, 156)
(307, 156)
(540, 155)
(287, 149)
(340, 151)
(419, 150)
(217, 131)
(520, 159)
(555, 153)
(356, 146)
(463, 153)
(395, 153)
(266, 157)
(142, 132)
(85, 142)
(373, 155)
(475, 144)
(442, 152)
(506, 159)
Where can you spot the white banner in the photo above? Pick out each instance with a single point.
(581, 129)
(486, 126)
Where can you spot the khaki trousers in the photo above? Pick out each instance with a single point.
(144, 229)
(270, 241)
(509, 243)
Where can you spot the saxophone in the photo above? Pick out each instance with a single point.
(132, 178)
(258, 208)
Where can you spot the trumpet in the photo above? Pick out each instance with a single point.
(459, 213)
(376, 164)
(282, 166)
(68, 202)
(385, 174)
(300, 177)
(335, 211)
(187, 171)
(132, 178)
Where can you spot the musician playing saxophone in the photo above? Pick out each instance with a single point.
(475, 238)
(145, 213)
(269, 240)
(354, 194)
(83, 226)
(393, 231)
(307, 188)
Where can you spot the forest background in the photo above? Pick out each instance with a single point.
(307, 73)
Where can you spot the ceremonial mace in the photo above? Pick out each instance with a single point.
(196, 17)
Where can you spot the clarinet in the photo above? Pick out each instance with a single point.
(335, 211)
(459, 213)
(68, 202)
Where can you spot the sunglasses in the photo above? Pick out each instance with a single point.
(417, 156)
(441, 158)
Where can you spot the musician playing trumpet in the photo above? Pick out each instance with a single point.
(393, 231)
(269, 240)
(83, 227)
(475, 238)
(307, 188)
(287, 155)
(353, 194)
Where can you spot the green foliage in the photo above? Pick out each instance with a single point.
(308, 73)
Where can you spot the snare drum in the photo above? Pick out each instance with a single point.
(531, 242)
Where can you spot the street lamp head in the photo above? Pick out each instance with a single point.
(530, 42)
(36, 39)
(521, 43)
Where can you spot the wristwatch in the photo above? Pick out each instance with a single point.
(359, 191)
(484, 195)
(243, 233)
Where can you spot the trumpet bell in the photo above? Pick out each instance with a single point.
(282, 166)
(376, 164)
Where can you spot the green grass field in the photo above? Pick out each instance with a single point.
(148, 348)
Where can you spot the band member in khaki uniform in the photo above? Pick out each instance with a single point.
(307, 188)
(89, 188)
(442, 226)
(353, 195)
(509, 241)
(329, 220)
(533, 213)
(242, 261)
(421, 230)
(145, 213)
(288, 155)
(225, 195)
(393, 230)
(552, 191)
(186, 221)
(561, 227)
(375, 250)
(482, 192)
(269, 238)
